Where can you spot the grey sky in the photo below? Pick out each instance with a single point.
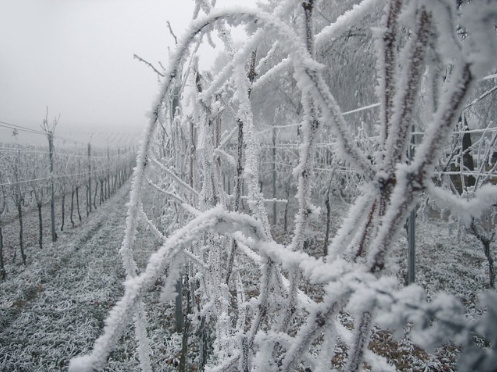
(76, 57)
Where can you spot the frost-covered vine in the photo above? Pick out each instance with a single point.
(211, 242)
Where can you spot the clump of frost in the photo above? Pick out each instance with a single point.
(82, 363)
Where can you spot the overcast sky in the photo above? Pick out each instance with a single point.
(76, 57)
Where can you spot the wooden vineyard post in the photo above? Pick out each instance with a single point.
(49, 131)
(274, 176)
(411, 228)
(52, 187)
(88, 194)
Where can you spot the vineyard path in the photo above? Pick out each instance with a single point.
(54, 308)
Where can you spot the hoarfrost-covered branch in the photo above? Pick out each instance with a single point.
(175, 177)
(216, 219)
(473, 207)
(352, 275)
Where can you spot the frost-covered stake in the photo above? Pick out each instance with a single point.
(3, 205)
(49, 129)
(88, 184)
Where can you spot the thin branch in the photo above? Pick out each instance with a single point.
(148, 64)
(487, 93)
(175, 177)
(172, 33)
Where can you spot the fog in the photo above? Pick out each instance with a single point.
(76, 58)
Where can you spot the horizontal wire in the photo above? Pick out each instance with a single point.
(4, 124)
(56, 153)
(96, 172)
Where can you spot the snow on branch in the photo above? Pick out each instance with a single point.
(352, 277)
(347, 20)
(405, 99)
(444, 119)
(216, 219)
(158, 235)
(183, 203)
(171, 174)
(220, 153)
(283, 9)
(472, 206)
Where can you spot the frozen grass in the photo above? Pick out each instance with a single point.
(54, 309)
(445, 261)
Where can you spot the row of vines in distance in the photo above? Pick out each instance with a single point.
(83, 177)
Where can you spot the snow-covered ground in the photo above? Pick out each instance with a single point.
(54, 309)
